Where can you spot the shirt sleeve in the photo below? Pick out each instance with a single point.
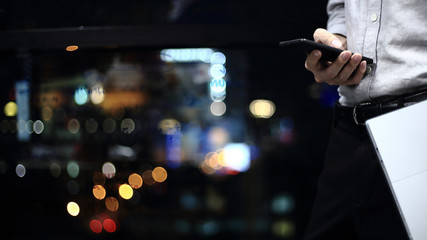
(336, 13)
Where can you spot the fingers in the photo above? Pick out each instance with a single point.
(346, 70)
(323, 36)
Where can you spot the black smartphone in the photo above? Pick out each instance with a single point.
(328, 53)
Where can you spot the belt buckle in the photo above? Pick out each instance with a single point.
(355, 113)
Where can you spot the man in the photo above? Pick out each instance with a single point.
(353, 199)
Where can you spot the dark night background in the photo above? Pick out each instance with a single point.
(271, 200)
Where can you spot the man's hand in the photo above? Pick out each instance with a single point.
(347, 69)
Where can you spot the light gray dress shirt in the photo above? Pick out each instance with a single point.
(394, 34)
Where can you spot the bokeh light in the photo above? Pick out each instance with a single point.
(159, 174)
(81, 96)
(73, 209)
(109, 225)
(109, 125)
(20, 170)
(73, 126)
(217, 71)
(109, 170)
(99, 192)
(237, 156)
(29, 126)
(91, 125)
(262, 108)
(283, 228)
(127, 125)
(73, 169)
(112, 204)
(55, 169)
(95, 226)
(38, 127)
(71, 48)
(218, 58)
(218, 108)
(135, 180)
(97, 94)
(10, 109)
(147, 177)
(47, 113)
(169, 126)
(186, 55)
(125, 191)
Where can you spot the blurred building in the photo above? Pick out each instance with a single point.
(177, 119)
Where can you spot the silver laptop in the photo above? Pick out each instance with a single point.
(400, 138)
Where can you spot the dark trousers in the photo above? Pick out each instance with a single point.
(353, 199)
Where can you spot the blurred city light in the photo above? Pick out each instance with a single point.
(218, 108)
(237, 156)
(73, 126)
(47, 113)
(20, 170)
(127, 125)
(217, 71)
(125, 191)
(109, 170)
(262, 108)
(109, 225)
(169, 126)
(55, 169)
(147, 177)
(38, 127)
(10, 109)
(97, 94)
(91, 125)
(95, 226)
(282, 203)
(186, 55)
(218, 58)
(22, 91)
(112, 204)
(109, 125)
(73, 169)
(81, 95)
(71, 48)
(283, 228)
(99, 192)
(73, 209)
(135, 180)
(159, 174)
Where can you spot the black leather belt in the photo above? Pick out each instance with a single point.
(360, 113)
